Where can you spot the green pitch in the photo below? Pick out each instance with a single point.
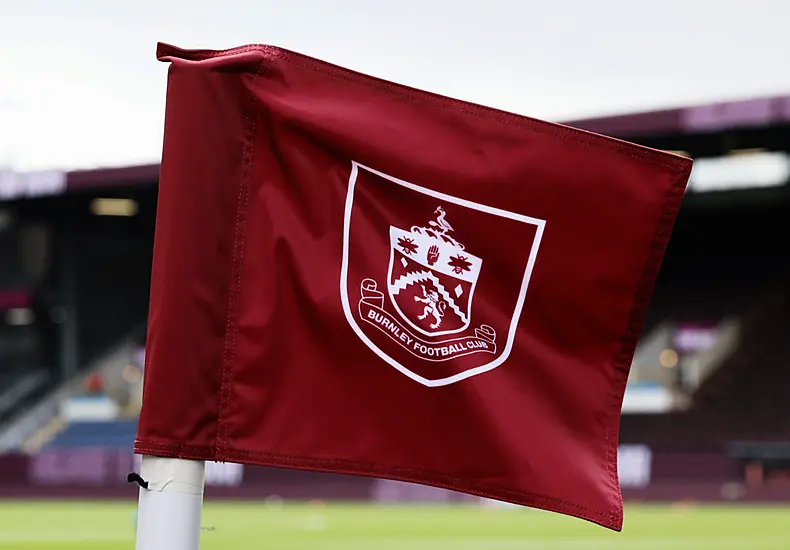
(109, 526)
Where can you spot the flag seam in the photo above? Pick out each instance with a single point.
(235, 276)
(370, 469)
(622, 363)
(560, 131)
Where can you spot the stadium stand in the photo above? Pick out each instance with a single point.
(747, 397)
(99, 434)
(712, 368)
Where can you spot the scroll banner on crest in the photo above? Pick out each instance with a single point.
(371, 309)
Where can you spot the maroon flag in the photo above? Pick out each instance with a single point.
(355, 276)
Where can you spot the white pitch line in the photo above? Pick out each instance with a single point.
(32, 538)
(630, 543)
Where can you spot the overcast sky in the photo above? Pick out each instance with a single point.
(80, 85)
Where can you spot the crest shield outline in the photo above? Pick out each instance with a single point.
(369, 287)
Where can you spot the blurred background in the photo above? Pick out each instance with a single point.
(705, 435)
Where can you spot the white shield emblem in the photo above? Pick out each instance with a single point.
(430, 250)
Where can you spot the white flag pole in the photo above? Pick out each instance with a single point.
(171, 503)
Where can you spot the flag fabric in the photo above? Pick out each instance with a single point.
(355, 276)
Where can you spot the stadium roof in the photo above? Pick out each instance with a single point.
(753, 113)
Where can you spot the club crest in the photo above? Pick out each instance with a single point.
(432, 277)
(420, 315)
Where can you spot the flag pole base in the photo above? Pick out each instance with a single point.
(170, 507)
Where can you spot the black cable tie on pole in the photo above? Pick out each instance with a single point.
(134, 477)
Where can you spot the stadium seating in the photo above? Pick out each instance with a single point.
(748, 397)
(119, 433)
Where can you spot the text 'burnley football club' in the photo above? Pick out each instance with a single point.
(433, 283)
